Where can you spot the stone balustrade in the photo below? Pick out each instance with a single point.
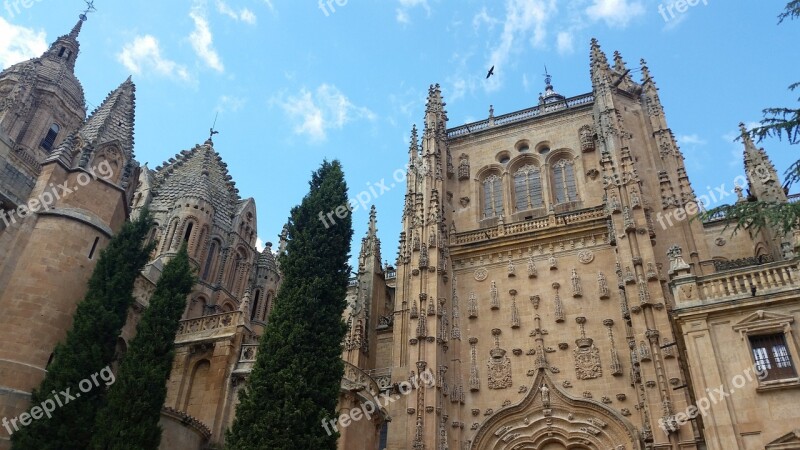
(356, 379)
(764, 279)
(519, 116)
(527, 226)
(211, 326)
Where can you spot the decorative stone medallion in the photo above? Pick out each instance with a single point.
(586, 256)
(481, 274)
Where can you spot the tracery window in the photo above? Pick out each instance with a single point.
(565, 187)
(528, 188)
(492, 196)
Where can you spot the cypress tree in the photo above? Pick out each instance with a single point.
(130, 418)
(89, 347)
(295, 382)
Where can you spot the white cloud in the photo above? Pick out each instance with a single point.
(615, 13)
(244, 15)
(229, 103)
(525, 19)
(259, 244)
(18, 43)
(143, 56)
(318, 112)
(564, 43)
(691, 139)
(483, 18)
(202, 40)
(270, 5)
(406, 5)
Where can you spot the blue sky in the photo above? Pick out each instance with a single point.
(294, 83)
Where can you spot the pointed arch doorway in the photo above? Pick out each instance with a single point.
(548, 418)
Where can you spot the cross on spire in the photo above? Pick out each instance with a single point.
(89, 9)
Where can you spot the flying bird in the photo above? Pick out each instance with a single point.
(491, 72)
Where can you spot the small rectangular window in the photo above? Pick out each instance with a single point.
(94, 247)
(772, 356)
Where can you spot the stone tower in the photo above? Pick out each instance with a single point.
(529, 274)
(42, 100)
(194, 200)
(83, 192)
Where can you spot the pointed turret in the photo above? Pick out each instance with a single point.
(66, 48)
(652, 100)
(598, 62)
(762, 177)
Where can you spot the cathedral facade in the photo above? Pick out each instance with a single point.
(549, 283)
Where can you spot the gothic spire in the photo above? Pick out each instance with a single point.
(66, 48)
(598, 60)
(761, 174)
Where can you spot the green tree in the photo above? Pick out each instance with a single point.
(130, 418)
(777, 123)
(295, 382)
(89, 346)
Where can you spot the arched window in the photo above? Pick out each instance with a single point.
(254, 309)
(50, 138)
(528, 188)
(212, 253)
(188, 233)
(492, 196)
(564, 185)
(198, 388)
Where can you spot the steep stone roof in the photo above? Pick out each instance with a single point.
(114, 119)
(267, 260)
(199, 173)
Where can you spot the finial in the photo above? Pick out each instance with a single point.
(548, 79)
(212, 131)
(89, 9)
(491, 111)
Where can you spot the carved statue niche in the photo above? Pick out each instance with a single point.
(463, 167)
(499, 365)
(587, 138)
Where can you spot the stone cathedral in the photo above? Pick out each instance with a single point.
(548, 275)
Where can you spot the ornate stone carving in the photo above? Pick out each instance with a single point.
(535, 300)
(587, 356)
(616, 366)
(552, 262)
(559, 307)
(463, 167)
(577, 288)
(602, 286)
(644, 352)
(474, 377)
(511, 268)
(532, 273)
(495, 301)
(472, 306)
(514, 310)
(585, 256)
(481, 274)
(499, 365)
